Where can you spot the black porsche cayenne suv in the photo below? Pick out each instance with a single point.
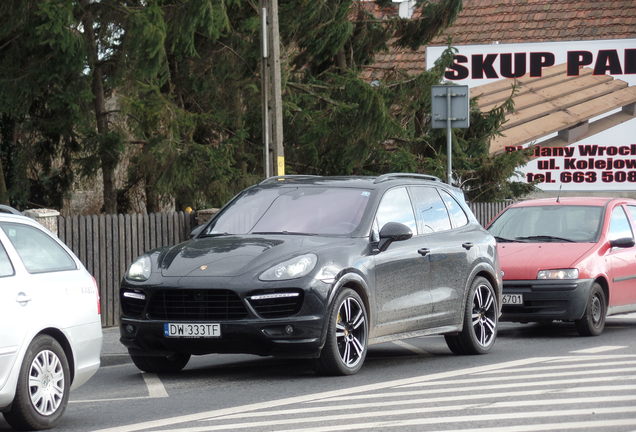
(317, 267)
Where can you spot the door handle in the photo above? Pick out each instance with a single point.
(467, 246)
(423, 251)
(23, 298)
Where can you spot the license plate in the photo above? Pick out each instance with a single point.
(512, 299)
(192, 330)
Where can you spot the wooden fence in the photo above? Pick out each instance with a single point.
(486, 211)
(108, 244)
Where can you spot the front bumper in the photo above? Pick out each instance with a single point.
(249, 336)
(546, 300)
(246, 327)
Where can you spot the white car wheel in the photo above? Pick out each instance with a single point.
(43, 386)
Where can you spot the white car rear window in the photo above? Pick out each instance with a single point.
(37, 250)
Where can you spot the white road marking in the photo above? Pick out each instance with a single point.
(576, 365)
(475, 395)
(472, 418)
(411, 348)
(516, 384)
(580, 358)
(154, 385)
(520, 428)
(311, 397)
(494, 405)
(597, 350)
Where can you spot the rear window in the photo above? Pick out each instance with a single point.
(37, 250)
(549, 223)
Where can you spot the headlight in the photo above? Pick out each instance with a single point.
(558, 274)
(140, 269)
(291, 269)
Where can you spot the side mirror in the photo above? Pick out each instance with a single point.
(624, 242)
(196, 230)
(393, 231)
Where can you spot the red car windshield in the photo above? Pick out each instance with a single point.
(563, 223)
(293, 210)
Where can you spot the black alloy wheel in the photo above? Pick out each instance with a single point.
(347, 335)
(479, 330)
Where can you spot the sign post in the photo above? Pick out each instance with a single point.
(450, 109)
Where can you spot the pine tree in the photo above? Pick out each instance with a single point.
(41, 100)
(175, 86)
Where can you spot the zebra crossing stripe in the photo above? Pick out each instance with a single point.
(332, 393)
(596, 350)
(419, 421)
(494, 405)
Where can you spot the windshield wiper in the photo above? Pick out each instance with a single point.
(283, 233)
(546, 238)
(505, 240)
(214, 235)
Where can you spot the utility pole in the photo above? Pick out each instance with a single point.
(274, 156)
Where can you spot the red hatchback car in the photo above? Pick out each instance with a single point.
(570, 259)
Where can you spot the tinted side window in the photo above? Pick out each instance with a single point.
(396, 207)
(6, 269)
(619, 225)
(429, 209)
(457, 215)
(39, 252)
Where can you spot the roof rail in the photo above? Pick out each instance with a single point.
(287, 177)
(7, 209)
(391, 176)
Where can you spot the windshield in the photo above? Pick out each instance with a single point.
(562, 223)
(293, 210)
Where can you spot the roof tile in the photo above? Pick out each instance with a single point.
(511, 21)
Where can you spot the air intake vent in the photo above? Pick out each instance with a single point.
(132, 304)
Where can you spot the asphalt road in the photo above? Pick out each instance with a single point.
(537, 378)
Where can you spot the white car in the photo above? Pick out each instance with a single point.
(50, 324)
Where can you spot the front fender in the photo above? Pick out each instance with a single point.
(358, 284)
(493, 275)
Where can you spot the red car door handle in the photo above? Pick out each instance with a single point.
(467, 246)
(423, 251)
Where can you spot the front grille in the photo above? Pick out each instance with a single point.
(277, 307)
(195, 305)
(132, 307)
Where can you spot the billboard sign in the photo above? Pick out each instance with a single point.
(575, 107)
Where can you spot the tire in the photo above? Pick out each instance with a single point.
(347, 336)
(161, 364)
(43, 386)
(593, 321)
(479, 331)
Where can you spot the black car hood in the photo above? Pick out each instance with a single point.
(231, 255)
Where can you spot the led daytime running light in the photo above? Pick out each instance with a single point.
(274, 296)
(134, 295)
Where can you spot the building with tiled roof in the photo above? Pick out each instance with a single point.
(573, 64)
(511, 21)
